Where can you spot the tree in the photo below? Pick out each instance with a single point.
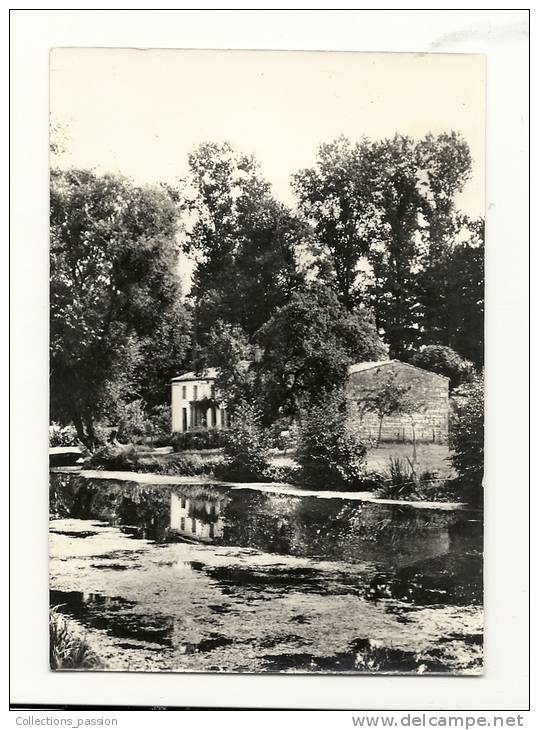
(243, 239)
(451, 293)
(444, 361)
(466, 435)
(308, 345)
(229, 350)
(329, 454)
(336, 196)
(113, 284)
(378, 210)
(388, 397)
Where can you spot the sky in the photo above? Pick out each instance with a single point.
(140, 112)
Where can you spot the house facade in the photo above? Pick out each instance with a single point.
(424, 416)
(196, 404)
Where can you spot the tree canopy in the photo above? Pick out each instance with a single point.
(114, 294)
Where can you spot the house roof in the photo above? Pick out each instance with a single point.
(359, 367)
(208, 374)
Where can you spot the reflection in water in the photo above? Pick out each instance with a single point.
(196, 517)
(240, 580)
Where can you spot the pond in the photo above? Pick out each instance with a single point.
(206, 578)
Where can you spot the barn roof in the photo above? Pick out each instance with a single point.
(359, 367)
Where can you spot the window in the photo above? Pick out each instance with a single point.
(195, 392)
(184, 392)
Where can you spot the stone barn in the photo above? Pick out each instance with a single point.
(416, 402)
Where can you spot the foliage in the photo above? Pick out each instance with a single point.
(183, 464)
(336, 196)
(330, 455)
(139, 423)
(246, 444)
(197, 440)
(235, 227)
(113, 286)
(307, 347)
(378, 208)
(284, 434)
(114, 458)
(451, 292)
(62, 435)
(229, 351)
(444, 361)
(388, 397)
(466, 434)
(68, 649)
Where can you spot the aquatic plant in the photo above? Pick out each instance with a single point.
(68, 649)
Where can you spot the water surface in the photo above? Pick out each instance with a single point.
(208, 578)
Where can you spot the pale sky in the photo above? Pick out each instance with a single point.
(140, 112)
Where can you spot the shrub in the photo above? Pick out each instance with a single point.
(114, 458)
(283, 474)
(444, 361)
(197, 440)
(328, 453)
(283, 434)
(466, 435)
(183, 465)
(67, 648)
(402, 481)
(246, 444)
(62, 435)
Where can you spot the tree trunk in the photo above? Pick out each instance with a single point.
(380, 431)
(81, 433)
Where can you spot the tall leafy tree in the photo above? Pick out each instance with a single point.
(451, 293)
(243, 239)
(113, 255)
(379, 210)
(336, 196)
(308, 345)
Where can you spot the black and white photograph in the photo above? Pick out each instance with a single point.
(266, 362)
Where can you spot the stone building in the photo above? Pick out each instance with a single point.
(425, 396)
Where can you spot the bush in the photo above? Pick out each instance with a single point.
(466, 437)
(183, 465)
(444, 361)
(283, 434)
(197, 440)
(67, 648)
(62, 435)
(246, 445)
(328, 453)
(283, 474)
(114, 458)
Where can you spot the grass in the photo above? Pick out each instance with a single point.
(429, 458)
(68, 649)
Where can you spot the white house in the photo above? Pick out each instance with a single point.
(195, 403)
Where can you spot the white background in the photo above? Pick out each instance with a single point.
(502, 36)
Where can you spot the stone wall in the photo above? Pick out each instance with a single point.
(428, 390)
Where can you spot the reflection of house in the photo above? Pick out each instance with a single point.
(196, 517)
(195, 404)
(426, 401)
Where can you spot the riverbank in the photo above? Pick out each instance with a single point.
(270, 487)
